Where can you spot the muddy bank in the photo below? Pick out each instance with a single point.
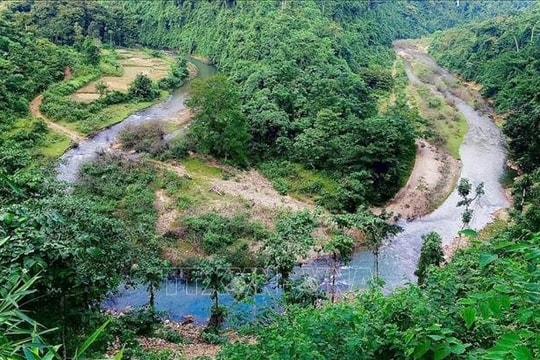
(432, 178)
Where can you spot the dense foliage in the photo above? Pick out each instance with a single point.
(73, 247)
(483, 305)
(309, 73)
(68, 22)
(303, 80)
(503, 55)
(27, 67)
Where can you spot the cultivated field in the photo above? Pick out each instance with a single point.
(133, 62)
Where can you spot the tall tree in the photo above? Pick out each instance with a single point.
(341, 249)
(430, 255)
(376, 229)
(152, 271)
(291, 241)
(216, 275)
(219, 126)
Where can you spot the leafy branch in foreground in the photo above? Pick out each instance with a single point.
(464, 190)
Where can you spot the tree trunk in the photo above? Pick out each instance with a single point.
(216, 316)
(64, 349)
(334, 275)
(152, 297)
(376, 254)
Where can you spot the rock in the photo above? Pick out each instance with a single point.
(188, 319)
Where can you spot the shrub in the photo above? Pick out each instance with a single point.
(142, 88)
(143, 138)
(114, 97)
(213, 232)
(179, 148)
(168, 334)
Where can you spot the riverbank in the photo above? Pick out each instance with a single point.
(432, 179)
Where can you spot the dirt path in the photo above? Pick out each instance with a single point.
(166, 210)
(36, 113)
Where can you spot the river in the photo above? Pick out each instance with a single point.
(71, 162)
(483, 159)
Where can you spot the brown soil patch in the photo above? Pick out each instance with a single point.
(134, 62)
(258, 190)
(431, 180)
(166, 210)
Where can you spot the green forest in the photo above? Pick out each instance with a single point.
(295, 127)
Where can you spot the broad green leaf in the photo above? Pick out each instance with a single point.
(421, 349)
(522, 353)
(495, 307)
(469, 315)
(484, 310)
(486, 259)
(441, 352)
(458, 349)
(507, 342)
(436, 337)
(90, 340)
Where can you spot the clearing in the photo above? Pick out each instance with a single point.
(197, 186)
(132, 62)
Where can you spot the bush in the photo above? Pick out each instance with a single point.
(214, 338)
(114, 97)
(176, 78)
(143, 138)
(179, 148)
(213, 232)
(138, 322)
(168, 334)
(142, 88)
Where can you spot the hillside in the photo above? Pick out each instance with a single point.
(261, 137)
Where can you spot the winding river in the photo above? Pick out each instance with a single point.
(71, 162)
(483, 159)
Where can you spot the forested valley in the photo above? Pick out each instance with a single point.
(227, 144)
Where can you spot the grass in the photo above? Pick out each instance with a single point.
(306, 179)
(496, 227)
(191, 194)
(54, 145)
(297, 181)
(201, 168)
(447, 125)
